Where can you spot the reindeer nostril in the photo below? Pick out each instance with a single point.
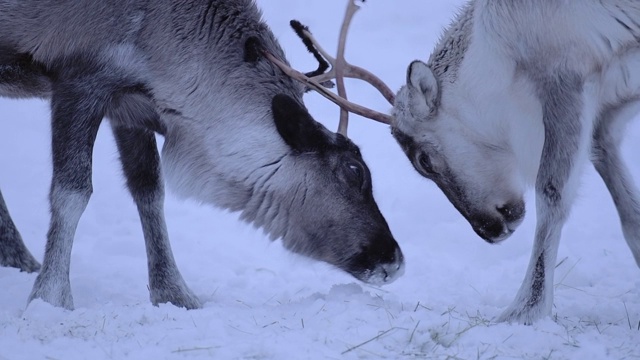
(512, 211)
(505, 210)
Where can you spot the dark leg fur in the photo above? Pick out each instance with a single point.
(141, 165)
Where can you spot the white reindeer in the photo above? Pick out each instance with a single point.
(523, 92)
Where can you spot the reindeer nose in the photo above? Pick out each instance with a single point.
(513, 211)
(395, 269)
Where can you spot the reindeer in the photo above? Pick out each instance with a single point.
(525, 92)
(237, 134)
(520, 93)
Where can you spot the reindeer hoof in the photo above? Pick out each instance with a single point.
(13, 253)
(23, 261)
(180, 298)
(56, 290)
(522, 314)
(172, 289)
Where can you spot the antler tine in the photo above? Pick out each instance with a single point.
(350, 71)
(314, 84)
(341, 63)
(340, 69)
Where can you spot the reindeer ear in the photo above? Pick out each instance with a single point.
(296, 127)
(421, 77)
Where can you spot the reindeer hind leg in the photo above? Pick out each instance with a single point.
(19, 77)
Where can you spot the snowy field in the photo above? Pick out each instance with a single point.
(261, 302)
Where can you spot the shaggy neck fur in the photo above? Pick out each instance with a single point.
(473, 80)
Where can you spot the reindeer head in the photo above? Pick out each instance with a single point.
(335, 218)
(474, 169)
(326, 199)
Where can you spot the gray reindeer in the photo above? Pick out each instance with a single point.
(521, 92)
(237, 134)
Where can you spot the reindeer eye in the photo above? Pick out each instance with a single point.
(355, 172)
(425, 164)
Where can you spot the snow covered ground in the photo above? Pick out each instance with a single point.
(261, 302)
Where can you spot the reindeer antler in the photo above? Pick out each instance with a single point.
(340, 68)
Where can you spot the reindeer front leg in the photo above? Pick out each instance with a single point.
(78, 104)
(141, 165)
(567, 133)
